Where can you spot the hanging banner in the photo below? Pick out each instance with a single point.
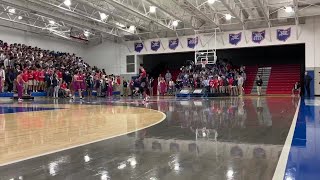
(155, 45)
(234, 39)
(173, 43)
(283, 34)
(192, 42)
(138, 46)
(258, 37)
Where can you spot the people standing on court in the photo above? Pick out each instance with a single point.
(259, 83)
(296, 88)
(125, 88)
(19, 85)
(307, 81)
(2, 78)
(240, 84)
(168, 76)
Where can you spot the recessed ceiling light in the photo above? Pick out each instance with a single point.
(175, 23)
(67, 2)
(52, 22)
(228, 16)
(211, 1)
(103, 16)
(288, 9)
(132, 28)
(152, 9)
(19, 17)
(12, 10)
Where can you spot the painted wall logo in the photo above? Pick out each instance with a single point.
(258, 37)
(155, 45)
(283, 34)
(192, 42)
(173, 43)
(138, 46)
(234, 39)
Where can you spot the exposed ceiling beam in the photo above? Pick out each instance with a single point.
(191, 8)
(128, 7)
(296, 11)
(264, 12)
(234, 11)
(100, 7)
(28, 5)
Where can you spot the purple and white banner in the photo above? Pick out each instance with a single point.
(155, 45)
(173, 43)
(234, 39)
(138, 46)
(283, 34)
(258, 37)
(192, 42)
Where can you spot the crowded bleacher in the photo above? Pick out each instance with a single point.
(59, 74)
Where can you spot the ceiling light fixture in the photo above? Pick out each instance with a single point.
(228, 17)
(103, 16)
(86, 33)
(152, 9)
(52, 22)
(132, 28)
(175, 23)
(288, 9)
(67, 3)
(19, 17)
(211, 1)
(12, 10)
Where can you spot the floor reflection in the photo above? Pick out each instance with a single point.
(225, 138)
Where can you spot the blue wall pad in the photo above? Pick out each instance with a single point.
(6, 94)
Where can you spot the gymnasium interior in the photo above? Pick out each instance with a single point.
(159, 89)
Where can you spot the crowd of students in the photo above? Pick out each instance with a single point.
(25, 69)
(221, 77)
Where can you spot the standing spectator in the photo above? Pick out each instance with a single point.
(2, 78)
(10, 79)
(240, 84)
(150, 86)
(259, 84)
(307, 80)
(171, 87)
(163, 87)
(296, 88)
(55, 85)
(168, 76)
(19, 85)
(125, 88)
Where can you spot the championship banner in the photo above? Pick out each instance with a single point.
(234, 39)
(192, 42)
(283, 34)
(138, 46)
(173, 43)
(155, 45)
(258, 37)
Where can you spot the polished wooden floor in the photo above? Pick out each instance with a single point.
(48, 128)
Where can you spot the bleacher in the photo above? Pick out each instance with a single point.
(251, 72)
(282, 78)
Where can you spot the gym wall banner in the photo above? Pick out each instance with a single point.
(258, 37)
(192, 42)
(234, 39)
(138, 46)
(283, 34)
(155, 45)
(173, 43)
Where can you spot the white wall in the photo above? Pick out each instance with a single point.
(107, 55)
(45, 42)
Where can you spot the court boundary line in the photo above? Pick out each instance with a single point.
(283, 159)
(164, 116)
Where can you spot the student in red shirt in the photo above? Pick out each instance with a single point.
(36, 73)
(65, 90)
(30, 80)
(215, 84)
(41, 77)
(230, 82)
(211, 84)
(221, 85)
